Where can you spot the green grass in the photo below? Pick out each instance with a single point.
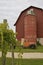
(38, 49)
(24, 61)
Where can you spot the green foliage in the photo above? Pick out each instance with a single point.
(7, 37)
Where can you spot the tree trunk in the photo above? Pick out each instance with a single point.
(12, 55)
(3, 58)
(3, 49)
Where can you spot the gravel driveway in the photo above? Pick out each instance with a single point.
(25, 55)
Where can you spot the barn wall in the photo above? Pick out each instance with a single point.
(20, 23)
(20, 27)
(39, 16)
(30, 31)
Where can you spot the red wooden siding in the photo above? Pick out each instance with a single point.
(20, 23)
(39, 16)
(30, 30)
(20, 28)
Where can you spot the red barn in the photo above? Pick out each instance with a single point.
(29, 25)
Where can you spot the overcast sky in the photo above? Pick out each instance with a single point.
(10, 9)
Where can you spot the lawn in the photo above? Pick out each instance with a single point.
(24, 61)
(38, 49)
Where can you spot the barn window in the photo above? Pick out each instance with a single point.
(31, 11)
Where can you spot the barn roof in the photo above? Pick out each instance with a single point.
(26, 10)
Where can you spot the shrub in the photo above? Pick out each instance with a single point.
(32, 46)
(38, 43)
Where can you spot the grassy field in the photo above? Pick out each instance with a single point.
(24, 61)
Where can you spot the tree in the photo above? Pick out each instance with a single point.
(12, 42)
(8, 37)
(3, 28)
